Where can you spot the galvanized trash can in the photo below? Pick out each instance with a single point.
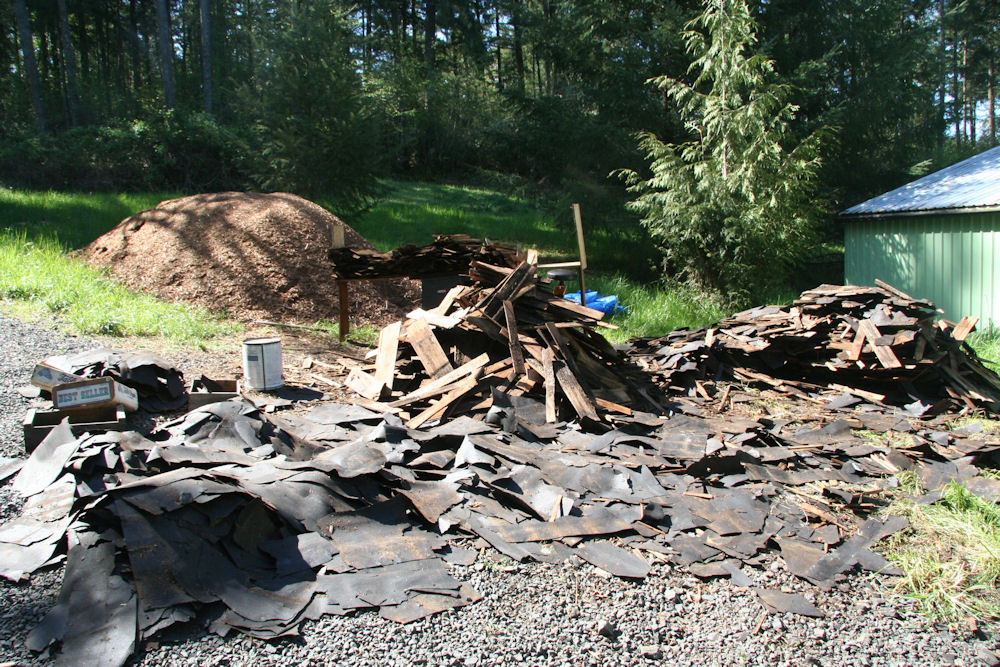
(262, 363)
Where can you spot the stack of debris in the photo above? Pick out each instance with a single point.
(253, 523)
(248, 522)
(160, 386)
(448, 255)
(504, 333)
(875, 343)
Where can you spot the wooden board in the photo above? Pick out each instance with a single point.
(574, 392)
(428, 349)
(548, 372)
(436, 387)
(513, 338)
(385, 360)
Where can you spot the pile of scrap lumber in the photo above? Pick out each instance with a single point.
(876, 343)
(503, 333)
(448, 255)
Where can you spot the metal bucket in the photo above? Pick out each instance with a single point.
(262, 363)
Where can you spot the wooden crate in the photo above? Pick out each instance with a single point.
(199, 394)
(99, 419)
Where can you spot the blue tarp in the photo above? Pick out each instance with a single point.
(606, 304)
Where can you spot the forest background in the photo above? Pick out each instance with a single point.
(539, 97)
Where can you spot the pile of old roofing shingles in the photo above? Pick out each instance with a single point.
(448, 255)
(874, 343)
(250, 522)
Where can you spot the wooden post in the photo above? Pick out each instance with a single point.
(337, 236)
(578, 221)
(345, 308)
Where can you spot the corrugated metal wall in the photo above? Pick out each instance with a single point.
(953, 260)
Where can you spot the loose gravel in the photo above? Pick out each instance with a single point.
(531, 613)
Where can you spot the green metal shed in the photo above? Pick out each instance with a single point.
(936, 238)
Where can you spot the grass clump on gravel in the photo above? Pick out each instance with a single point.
(950, 555)
(37, 272)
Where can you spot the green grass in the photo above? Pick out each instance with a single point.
(986, 343)
(412, 212)
(652, 310)
(74, 218)
(950, 556)
(39, 277)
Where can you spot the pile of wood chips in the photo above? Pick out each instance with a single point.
(876, 343)
(504, 332)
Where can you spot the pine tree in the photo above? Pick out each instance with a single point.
(732, 208)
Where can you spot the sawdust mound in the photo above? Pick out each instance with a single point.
(248, 254)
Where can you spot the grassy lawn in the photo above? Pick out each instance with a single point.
(75, 219)
(39, 279)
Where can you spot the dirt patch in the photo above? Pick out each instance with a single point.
(250, 255)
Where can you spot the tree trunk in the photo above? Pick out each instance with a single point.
(957, 93)
(430, 35)
(30, 64)
(515, 18)
(943, 73)
(992, 96)
(69, 64)
(496, 19)
(134, 46)
(166, 52)
(206, 55)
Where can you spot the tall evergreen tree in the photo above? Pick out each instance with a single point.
(30, 64)
(166, 52)
(732, 207)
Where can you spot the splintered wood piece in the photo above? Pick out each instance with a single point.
(548, 372)
(385, 361)
(437, 408)
(885, 355)
(892, 290)
(428, 349)
(494, 369)
(438, 386)
(324, 379)
(964, 328)
(522, 275)
(440, 321)
(614, 407)
(854, 350)
(512, 336)
(449, 298)
(574, 392)
(364, 384)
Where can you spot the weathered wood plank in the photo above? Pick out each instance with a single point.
(964, 328)
(438, 408)
(548, 372)
(513, 338)
(385, 360)
(885, 355)
(574, 392)
(428, 349)
(435, 387)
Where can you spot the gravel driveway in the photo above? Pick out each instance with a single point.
(531, 614)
